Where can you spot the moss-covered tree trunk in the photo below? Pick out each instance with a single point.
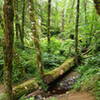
(85, 11)
(8, 47)
(63, 19)
(35, 37)
(97, 6)
(1, 22)
(72, 7)
(17, 24)
(77, 30)
(23, 23)
(48, 27)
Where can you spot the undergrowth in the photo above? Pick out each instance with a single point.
(90, 76)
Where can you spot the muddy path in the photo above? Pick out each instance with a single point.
(1, 88)
(73, 96)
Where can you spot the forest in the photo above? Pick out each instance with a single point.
(50, 49)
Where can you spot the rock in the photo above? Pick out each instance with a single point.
(38, 97)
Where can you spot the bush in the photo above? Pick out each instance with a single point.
(90, 76)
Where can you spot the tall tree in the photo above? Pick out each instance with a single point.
(49, 16)
(8, 47)
(97, 5)
(77, 30)
(23, 22)
(1, 18)
(85, 10)
(70, 17)
(1, 22)
(35, 37)
(63, 20)
(17, 24)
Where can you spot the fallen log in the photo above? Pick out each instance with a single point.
(25, 88)
(32, 85)
(53, 75)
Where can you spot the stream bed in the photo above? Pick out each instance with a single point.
(60, 86)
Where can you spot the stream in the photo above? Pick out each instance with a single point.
(59, 86)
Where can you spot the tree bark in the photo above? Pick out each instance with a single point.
(70, 17)
(97, 6)
(36, 37)
(63, 20)
(23, 23)
(54, 74)
(48, 27)
(1, 22)
(77, 30)
(85, 10)
(8, 47)
(17, 24)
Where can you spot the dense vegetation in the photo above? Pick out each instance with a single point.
(37, 36)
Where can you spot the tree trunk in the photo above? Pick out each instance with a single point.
(70, 17)
(23, 23)
(77, 30)
(49, 16)
(8, 47)
(17, 24)
(63, 20)
(1, 22)
(54, 74)
(85, 11)
(97, 6)
(36, 37)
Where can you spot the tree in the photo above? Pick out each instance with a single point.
(77, 30)
(17, 24)
(23, 23)
(1, 22)
(35, 37)
(8, 47)
(97, 5)
(85, 10)
(63, 20)
(49, 15)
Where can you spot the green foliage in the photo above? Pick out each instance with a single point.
(40, 81)
(3, 96)
(1, 63)
(24, 64)
(23, 98)
(53, 98)
(90, 75)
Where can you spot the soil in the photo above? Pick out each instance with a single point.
(73, 96)
(1, 88)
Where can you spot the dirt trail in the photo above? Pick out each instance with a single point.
(74, 96)
(1, 88)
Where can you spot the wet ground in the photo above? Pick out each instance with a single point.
(58, 87)
(73, 96)
(1, 88)
(60, 90)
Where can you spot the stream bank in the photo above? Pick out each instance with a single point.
(58, 87)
